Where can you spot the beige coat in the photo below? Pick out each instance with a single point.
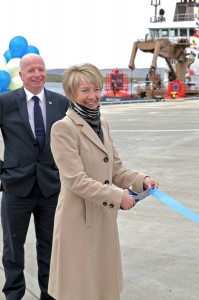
(86, 262)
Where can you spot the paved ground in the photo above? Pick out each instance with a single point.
(159, 246)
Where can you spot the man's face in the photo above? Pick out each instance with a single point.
(33, 74)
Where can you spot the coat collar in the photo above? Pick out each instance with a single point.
(88, 131)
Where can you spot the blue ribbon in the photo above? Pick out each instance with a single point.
(183, 210)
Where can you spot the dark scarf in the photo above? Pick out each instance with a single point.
(91, 116)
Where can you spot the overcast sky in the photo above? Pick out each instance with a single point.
(68, 32)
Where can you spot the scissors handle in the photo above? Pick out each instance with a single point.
(138, 196)
(135, 196)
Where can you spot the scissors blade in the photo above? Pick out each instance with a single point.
(139, 196)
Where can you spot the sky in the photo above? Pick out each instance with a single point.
(68, 32)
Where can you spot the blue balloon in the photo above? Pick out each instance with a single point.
(4, 91)
(18, 46)
(4, 80)
(32, 49)
(7, 55)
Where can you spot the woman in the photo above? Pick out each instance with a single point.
(86, 263)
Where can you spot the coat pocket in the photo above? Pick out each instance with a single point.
(88, 213)
(10, 163)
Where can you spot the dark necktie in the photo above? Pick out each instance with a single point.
(39, 124)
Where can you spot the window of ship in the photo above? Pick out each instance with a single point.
(172, 33)
(183, 32)
(165, 32)
(191, 31)
(180, 13)
(154, 33)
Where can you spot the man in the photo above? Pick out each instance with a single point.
(29, 176)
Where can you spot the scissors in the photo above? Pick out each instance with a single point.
(139, 196)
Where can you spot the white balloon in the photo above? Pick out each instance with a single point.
(12, 67)
(15, 83)
(3, 63)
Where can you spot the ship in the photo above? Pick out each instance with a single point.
(173, 37)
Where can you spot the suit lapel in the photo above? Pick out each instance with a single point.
(50, 106)
(23, 111)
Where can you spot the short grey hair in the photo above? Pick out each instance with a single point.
(28, 55)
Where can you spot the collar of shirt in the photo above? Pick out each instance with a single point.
(29, 95)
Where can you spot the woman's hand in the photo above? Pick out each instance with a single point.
(150, 183)
(127, 201)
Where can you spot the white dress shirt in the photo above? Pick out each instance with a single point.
(30, 107)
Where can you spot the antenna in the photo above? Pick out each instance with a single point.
(155, 3)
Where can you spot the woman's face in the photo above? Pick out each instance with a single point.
(88, 94)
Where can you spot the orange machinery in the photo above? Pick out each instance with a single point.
(116, 84)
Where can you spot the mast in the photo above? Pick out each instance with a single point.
(155, 3)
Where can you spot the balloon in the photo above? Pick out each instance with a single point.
(4, 79)
(4, 91)
(3, 62)
(18, 46)
(32, 49)
(7, 55)
(15, 83)
(12, 67)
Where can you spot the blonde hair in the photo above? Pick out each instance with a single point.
(75, 74)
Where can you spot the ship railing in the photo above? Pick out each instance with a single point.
(184, 17)
(177, 18)
(157, 19)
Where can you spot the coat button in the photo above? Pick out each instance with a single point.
(105, 203)
(105, 159)
(106, 182)
(111, 205)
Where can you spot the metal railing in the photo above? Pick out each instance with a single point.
(177, 18)
(184, 17)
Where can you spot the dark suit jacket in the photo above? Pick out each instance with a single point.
(22, 163)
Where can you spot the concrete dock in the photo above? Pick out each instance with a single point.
(160, 247)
